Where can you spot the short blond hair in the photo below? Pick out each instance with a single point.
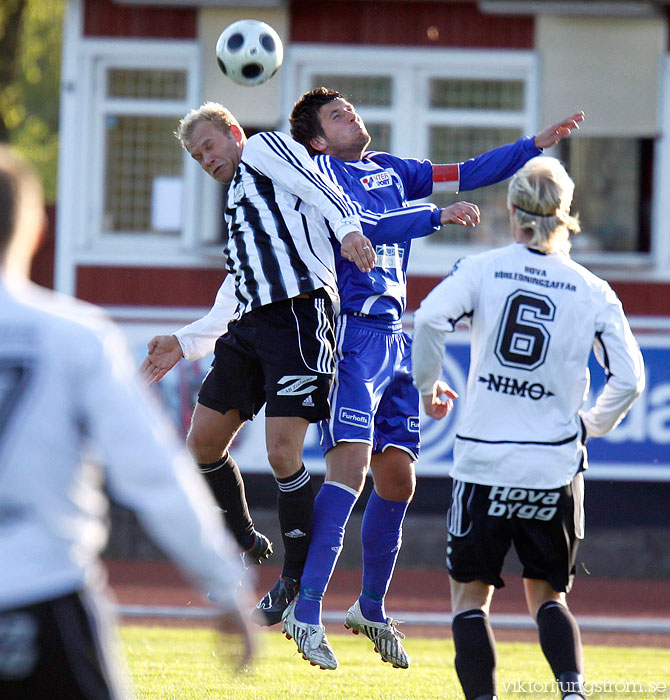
(541, 194)
(211, 112)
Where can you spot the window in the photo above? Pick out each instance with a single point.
(362, 91)
(613, 179)
(144, 166)
(445, 105)
(450, 105)
(135, 197)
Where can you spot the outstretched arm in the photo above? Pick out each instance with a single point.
(500, 163)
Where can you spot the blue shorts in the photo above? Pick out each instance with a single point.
(373, 399)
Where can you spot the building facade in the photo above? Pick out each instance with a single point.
(139, 228)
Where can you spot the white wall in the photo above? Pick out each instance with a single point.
(609, 67)
(253, 106)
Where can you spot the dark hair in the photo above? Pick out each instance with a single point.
(305, 122)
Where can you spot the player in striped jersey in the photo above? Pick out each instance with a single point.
(375, 408)
(278, 351)
(520, 448)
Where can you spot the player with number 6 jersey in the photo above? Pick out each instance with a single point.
(520, 447)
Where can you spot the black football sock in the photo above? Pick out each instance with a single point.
(475, 654)
(561, 644)
(295, 503)
(225, 481)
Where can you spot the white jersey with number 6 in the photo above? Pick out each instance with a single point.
(534, 320)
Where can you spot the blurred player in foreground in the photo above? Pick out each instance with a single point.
(520, 448)
(67, 388)
(374, 420)
(278, 351)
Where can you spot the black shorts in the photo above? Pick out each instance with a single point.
(545, 526)
(60, 648)
(281, 355)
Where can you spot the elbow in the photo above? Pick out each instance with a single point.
(421, 319)
(636, 386)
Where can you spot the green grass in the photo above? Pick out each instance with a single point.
(182, 664)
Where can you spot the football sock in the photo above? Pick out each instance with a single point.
(381, 535)
(562, 645)
(225, 482)
(332, 508)
(475, 653)
(295, 503)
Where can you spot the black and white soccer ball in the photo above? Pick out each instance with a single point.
(249, 52)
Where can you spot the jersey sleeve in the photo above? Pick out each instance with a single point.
(287, 163)
(416, 174)
(452, 299)
(497, 164)
(392, 226)
(484, 169)
(147, 470)
(619, 354)
(198, 339)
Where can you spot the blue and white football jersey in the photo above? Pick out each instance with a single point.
(381, 187)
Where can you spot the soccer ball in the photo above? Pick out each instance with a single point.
(249, 52)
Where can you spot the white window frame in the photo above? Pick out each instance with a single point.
(411, 69)
(411, 119)
(89, 243)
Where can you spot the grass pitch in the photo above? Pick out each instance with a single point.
(183, 664)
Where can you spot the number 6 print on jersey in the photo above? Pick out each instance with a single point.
(523, 338)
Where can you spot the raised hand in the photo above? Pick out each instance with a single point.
(558, 131)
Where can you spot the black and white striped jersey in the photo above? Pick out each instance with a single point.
(534, 319)
(281, 212)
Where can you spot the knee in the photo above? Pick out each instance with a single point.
(397, 490)
(204, 447)
(397, 484)
(284, 461)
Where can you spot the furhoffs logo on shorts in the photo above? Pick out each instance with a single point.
(354, 417)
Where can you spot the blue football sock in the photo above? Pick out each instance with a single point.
(332, 508)
(381, 534)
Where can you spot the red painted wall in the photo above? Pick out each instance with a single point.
(106, 18)
(638, 298)
(148, 286)
(445, 24)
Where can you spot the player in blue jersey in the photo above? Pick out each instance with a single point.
(374, 406)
